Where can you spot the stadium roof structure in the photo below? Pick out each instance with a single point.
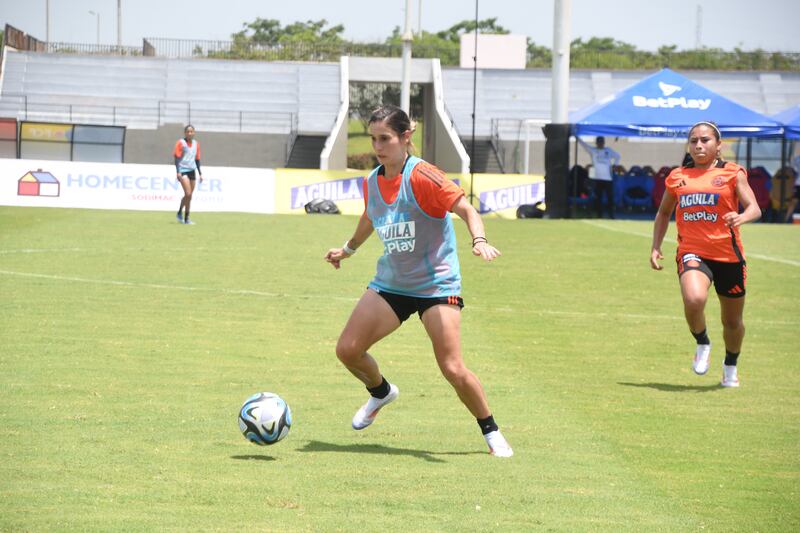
(790, 118)
(667, 104)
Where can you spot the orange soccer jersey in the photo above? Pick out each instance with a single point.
(434, 192)
(703, 197)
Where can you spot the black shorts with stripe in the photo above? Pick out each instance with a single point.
(404, 306)
(729, 278)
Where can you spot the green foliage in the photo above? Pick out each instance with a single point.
(266, 39)
(365, 97)
(269, 32)
(129, 343)
(454, 32)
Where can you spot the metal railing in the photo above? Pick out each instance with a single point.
(312, 52)
(449, 55)
(517, 131)
(23, 107)
(93, 49)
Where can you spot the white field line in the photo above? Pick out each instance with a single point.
(650, 236)
(246, 292)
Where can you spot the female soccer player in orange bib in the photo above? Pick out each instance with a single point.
(705, 195)
(408, 204)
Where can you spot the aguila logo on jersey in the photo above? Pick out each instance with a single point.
(699, 199)
(667, 101)
(398, 237)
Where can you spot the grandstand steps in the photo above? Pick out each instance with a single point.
(306, 151)
(485, 160)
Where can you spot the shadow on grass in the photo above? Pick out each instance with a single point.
(317, 446)
(669, 387)
(252, 457)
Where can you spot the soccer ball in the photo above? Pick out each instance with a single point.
(265, 418)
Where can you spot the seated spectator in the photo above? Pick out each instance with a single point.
(783, 193)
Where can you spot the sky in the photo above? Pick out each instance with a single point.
(648, 24)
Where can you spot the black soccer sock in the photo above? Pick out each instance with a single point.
(701, 338)
(487, 424)
(381, 391)
(731, 358)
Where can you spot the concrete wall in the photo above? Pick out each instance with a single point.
(256, 150)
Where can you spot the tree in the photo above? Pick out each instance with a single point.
(269, 32)
(454, 33)
(304, 41)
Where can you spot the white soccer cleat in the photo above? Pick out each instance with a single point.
(180, 218)
(366, 415)
(701, 358)
(730, 376)
(498, 446)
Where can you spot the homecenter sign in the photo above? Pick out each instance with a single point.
(92, 185)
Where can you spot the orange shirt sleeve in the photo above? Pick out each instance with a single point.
(178, 152)
(197, 155)
(366, 193)
(671, 181)
(435, 193)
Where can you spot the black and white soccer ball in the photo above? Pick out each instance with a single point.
(265, 418)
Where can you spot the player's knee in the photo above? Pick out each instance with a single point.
(454, 372)
(347, 350)
(694, 302)
(733, 323)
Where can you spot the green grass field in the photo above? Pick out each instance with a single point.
(128, 343)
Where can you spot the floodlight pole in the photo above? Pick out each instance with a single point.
(556, 150)
(97, 35)
(559, 112)
(405, 87)
(474, 108)
(119, 24)
(47, 21)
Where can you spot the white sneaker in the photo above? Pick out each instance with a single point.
(730, 376)
(366, 415)
(701, 357)
(498, 446)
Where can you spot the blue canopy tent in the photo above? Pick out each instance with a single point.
(790, 118)
(666, 104)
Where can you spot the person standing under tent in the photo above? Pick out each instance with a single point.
(187, 166)
(705, 196)
(793, 201)
(603, 161)
(408, 203)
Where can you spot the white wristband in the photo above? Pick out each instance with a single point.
(347, 249)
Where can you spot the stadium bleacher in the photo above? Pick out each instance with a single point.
(144, 92)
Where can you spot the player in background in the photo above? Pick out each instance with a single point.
(705, 196)
(187, 166)
(603, 161)
(408, 202)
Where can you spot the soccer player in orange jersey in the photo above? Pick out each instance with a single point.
(187, 170)
(408, 204)
(705, 196)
